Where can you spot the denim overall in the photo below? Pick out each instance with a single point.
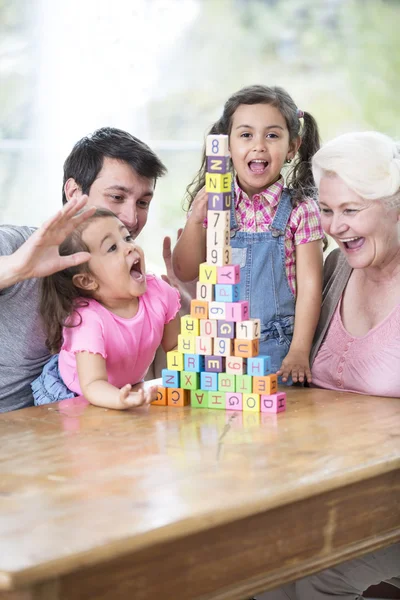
(263, 280)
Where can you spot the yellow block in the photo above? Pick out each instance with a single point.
(217, 182)
(189, 326)
(175, 360)
(186, 344)
(207, 273)
(251, 402)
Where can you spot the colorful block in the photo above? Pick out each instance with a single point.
(273, 403)
(178, 397)
(217, 145)
(209, 381)
(189, 325)
(170, 379)
(233, 401)
(225, 329)
(267, 384)
(226, 382)
(223, 346)
(236, 365)
(207, 273)
(204, 291)
(204, 345)
(208, 327)
(259, 365)
(218, 238)
(228, 274)
(218, 182)
(161, 399)
(251, 402)
(217, 310)
(175, 360)
(237, 311)
(193, 363)
(219, 200)
(218, 220)
(225, 292)
(199, 399)
(199, 309)
(190, 380)
(246, 348)
(219, 256)
(244, 384)
(186, 344)
(218, 164)
(214, 364)
(216, 400)
(248, 330)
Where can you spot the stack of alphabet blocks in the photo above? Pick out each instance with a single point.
(217, 364)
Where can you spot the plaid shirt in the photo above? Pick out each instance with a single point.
(256, 215)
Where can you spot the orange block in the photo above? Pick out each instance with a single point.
(199, 309)
(267, 384)
(178, 397)
(246, 348)
(161, 397)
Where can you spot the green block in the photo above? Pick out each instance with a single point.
(244, 384)
(217, 400)
(199, 399)
(226, 382)
(190, 380)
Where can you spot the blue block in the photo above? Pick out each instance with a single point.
(259, 365)
(225, 292)
(209, 381)
(170, 378)
(193, 363)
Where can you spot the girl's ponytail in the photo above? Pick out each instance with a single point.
(301, 180)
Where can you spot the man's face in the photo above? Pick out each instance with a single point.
(119, 188)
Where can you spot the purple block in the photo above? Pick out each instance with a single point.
(218, 164)
(214, 364)
(219, 200)
(225, 329)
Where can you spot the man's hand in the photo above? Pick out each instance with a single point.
(187, 290)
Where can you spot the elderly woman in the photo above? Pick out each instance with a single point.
(357, 342)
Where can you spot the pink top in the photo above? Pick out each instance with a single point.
(367, 365)
(256, 215)
(127, 345)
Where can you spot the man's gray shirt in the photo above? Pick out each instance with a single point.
(23, 352)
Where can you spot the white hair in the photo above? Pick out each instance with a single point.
(368, 162)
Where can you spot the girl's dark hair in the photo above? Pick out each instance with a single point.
(299, 179)
(59, 297)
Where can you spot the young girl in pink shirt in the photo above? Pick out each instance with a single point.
(106, 317)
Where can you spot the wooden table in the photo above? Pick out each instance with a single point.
(188, 503)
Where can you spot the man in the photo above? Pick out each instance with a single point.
(114, 170)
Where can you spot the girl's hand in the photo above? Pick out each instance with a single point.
(135, 396)
(198, 210)
(297, 363)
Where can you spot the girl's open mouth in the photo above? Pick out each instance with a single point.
(258, 166)
(136, 271)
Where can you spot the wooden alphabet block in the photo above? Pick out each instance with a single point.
(259, 365)
(226, 292)
(266, 384)
(204, 291)
(236, 365)
(251, 402)
(225, 329)
(161, 397)
(217, 310)
(228, 274)
(214, 364)
(223, 346)
(186, 344)
(208, 327)
(219, 200)
(199, 309)
(233, 401)
(199, 399)
(248, 330)
(209, 381)
(246, 348)
(175, 360)
(190, 380)
(218, 238)
(218, 220)
(218, 164)
(219, 183)
(244, 384)
(273, 403)
(207, 273)
(216, 400)
(170, 379)
(204, 345)
(189, 326)
(226, 382)
(194, 363)
(178, 397)
(237, 311)
(217, 145)
(219, 256)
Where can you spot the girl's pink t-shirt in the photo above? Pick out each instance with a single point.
(367, 365)
(127, 345)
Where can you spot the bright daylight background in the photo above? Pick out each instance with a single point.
(162, 70)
